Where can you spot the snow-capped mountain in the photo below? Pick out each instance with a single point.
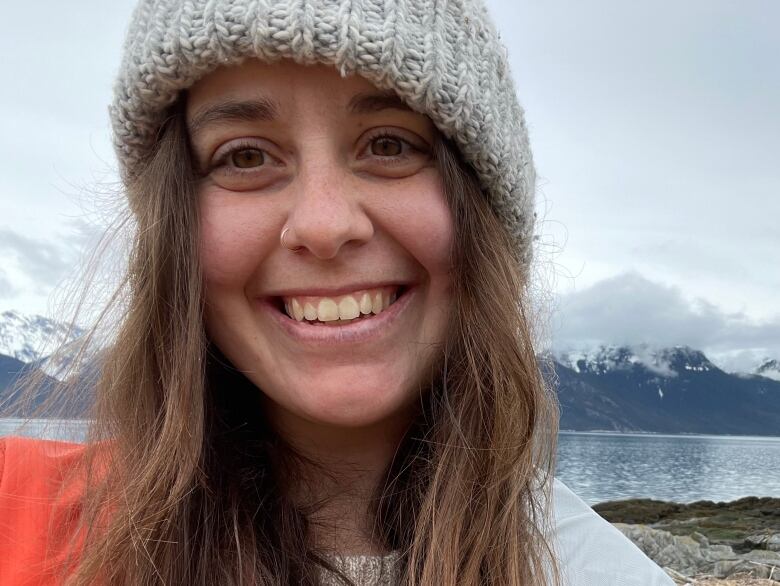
(663, 361)
(770, 368)
(29, 338)
(671, 390)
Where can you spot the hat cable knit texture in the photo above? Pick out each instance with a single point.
(442, 57)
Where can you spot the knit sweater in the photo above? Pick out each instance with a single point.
(366, 570)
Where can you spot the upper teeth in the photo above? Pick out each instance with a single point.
(343, 307)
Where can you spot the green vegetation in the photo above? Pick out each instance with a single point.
(722, 523)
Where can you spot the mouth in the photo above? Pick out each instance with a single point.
(339, 310)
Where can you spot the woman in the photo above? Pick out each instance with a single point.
(325, 373)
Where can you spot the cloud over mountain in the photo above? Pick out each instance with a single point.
(631, 309)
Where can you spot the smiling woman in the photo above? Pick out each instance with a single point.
(325, 373)
(366, 233)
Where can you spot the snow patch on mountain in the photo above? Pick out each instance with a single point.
(665, 362)
(749, 362)
(31, 337)
(769, 368)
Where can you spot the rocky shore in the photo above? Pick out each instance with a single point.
(730, 544)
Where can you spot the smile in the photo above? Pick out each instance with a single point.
(340, 309)
(319, 321)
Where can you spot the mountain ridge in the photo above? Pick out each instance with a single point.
(666, 390)
(30, 338)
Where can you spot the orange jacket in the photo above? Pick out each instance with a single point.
(32, 494)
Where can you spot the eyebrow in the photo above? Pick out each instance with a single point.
(370, 103)
(257, 110)
(265, 110)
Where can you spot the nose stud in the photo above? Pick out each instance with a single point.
(281, 240)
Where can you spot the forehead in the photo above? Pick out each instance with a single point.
(272, 90)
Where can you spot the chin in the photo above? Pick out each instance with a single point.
(340, 402)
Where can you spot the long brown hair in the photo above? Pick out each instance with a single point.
(186, 480)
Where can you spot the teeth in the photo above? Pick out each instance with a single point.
(348, 308)
(343, 307)
(377, 304)
(297, 310)
(365, 304)
(327, 310)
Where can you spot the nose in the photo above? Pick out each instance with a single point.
(328, 212)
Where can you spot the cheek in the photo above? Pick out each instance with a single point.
(234, 234)
(423, 223)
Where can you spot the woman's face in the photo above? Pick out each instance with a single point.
(347, 171)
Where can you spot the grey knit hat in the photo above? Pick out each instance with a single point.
(442, 57)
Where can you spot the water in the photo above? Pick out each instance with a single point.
(682, 468)
(608, 466)
(73, 430)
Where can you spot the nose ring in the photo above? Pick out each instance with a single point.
(281, 240)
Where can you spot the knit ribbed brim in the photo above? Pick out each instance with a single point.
(443, 58)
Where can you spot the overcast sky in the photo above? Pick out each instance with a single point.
(656, 134)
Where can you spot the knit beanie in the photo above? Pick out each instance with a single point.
(443, 58)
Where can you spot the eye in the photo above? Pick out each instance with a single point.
(247, 158)
(244, 164)
(393, 153)
(387, 146)
(235, 156)
(394, 147)
(241, 157)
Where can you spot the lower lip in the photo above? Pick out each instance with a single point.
(364, 330)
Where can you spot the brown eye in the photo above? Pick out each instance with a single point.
(247, 158)
(385, 146)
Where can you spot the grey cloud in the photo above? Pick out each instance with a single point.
(44, 262)
(654, 140)
(631, 309)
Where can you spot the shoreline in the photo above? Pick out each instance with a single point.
(693, 561)
(704, 542)
(611, 432)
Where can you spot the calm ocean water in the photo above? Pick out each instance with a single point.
(60, 429)
(683, 468)
(609, 466)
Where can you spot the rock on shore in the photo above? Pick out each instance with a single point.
(739, 538)
(693, 555)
